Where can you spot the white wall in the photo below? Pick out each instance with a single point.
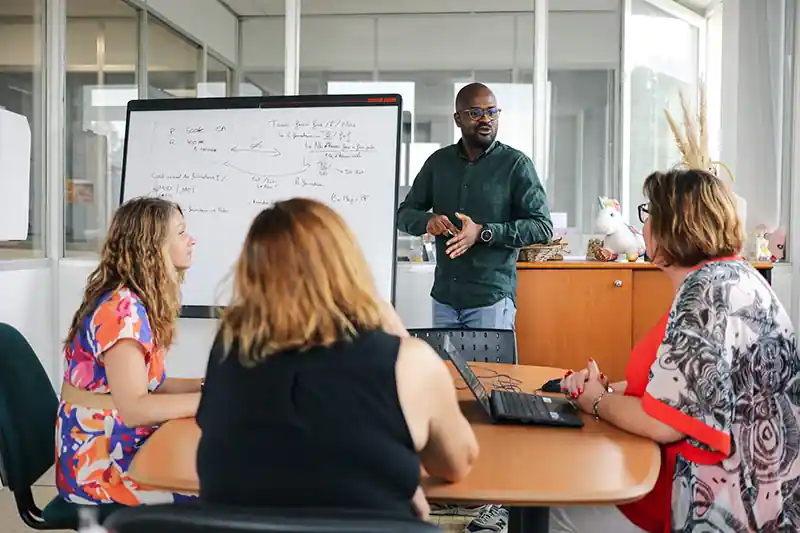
(206, 21)
(26, 303)
(589, 39)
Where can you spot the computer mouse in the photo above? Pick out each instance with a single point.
(554, 385)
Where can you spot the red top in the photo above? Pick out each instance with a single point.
(649, 512)
(653, 512)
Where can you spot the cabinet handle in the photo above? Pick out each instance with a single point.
(618, 283)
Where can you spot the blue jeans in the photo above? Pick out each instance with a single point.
(500, 315)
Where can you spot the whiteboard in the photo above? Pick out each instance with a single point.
(224, 160)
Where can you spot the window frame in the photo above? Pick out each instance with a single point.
(624, 105)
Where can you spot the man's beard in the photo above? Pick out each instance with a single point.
(481, 141)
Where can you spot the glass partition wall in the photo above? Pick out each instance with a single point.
(115, 53)
(368, 52)
(605, 121)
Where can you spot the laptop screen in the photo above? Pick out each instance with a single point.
(472, 381)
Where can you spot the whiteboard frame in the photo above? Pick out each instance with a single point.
(267, 102)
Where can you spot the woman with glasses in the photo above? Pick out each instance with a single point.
(715, 382)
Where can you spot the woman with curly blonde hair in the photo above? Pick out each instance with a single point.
(115, 391)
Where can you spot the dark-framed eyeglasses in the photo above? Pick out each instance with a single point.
(643, 213)
(477, 113)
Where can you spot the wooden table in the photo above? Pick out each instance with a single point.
(523, 467)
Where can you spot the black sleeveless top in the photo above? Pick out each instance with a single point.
(320, 428)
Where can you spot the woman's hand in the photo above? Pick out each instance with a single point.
(420, 503)
(593, 388)
(574, 383)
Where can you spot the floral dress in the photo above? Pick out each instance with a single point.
(94, 449)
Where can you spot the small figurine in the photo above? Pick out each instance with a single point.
(762, 249)
(777, 244)
(764, 245)
(621, 238)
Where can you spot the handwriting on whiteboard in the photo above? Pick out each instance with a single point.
(287, 157)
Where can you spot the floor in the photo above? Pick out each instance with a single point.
(46, 491)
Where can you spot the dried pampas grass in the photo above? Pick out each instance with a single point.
(692, 141)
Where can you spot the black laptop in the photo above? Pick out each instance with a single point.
(519, 407)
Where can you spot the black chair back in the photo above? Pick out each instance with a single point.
(479, 345)
(28, 407)
(200, 518)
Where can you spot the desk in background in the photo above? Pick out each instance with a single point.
(595, 465)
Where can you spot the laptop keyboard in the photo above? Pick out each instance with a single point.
(521, 406)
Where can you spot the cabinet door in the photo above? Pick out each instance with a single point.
(652, 298)
(564, 317)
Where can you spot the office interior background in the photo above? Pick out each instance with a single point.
(595, 81)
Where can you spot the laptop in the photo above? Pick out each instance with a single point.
(514, 407)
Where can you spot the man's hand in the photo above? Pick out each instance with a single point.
(465, 238)
(440, 225)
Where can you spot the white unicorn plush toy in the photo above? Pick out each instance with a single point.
(621, 238)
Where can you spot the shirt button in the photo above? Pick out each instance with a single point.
(455, 279)
(465, 185)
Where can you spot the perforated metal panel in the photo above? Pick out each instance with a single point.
(480, 345)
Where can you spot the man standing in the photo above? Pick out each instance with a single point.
(487, 202)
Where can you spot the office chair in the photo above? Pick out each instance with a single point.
(479, 345)
(196, 517)
(28, 407)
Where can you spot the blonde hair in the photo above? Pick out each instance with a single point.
(134, 256)
(692, 217)
(301, 281)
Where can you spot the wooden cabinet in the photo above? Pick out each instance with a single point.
(570, 311)
(565, 315)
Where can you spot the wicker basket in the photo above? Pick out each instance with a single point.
(551, 251)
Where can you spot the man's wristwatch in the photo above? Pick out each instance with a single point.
(486, 235)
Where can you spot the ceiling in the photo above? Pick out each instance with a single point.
(251, 8)
(243, 8)
(260, 8)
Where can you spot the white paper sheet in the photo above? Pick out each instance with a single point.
(15, 176)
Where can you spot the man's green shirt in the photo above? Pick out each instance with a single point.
(499, 190)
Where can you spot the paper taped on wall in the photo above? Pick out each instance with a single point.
(15, 163)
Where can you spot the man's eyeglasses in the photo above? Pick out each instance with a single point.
(477, 113)
(643, 213)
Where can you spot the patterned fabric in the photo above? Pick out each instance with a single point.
(726, 375)
(94, 449)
